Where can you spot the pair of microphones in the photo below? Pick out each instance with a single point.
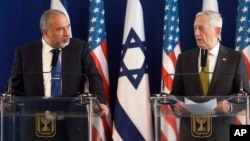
(241, 92)
(11, 93)
(234, 98)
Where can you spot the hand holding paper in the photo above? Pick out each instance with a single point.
(205, 107)
(223, 106)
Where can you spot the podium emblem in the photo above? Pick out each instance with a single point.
(201, 125)
(45, 124)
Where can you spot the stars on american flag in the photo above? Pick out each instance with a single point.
(98, 49)
(97, 30)
(243, 25)
(171, 26)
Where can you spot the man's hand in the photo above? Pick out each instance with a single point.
(223, 106)
(7, 107)
(104, 111)
(180, 108)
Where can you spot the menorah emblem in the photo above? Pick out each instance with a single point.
(201, 125)
(45, 124)
(201, 120)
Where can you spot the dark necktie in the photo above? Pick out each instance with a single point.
(204, 77)
(55, 74)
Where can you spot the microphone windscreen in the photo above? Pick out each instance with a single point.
(203, 57)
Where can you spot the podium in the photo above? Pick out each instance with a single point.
(47, 119)
(200, 114)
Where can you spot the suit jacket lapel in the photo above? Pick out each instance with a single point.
(66, 64)
(220, 63)
(194, 68)
(36, 67)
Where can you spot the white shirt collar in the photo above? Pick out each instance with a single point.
(46, 47)
(214, 51)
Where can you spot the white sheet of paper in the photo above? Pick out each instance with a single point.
(205, 107)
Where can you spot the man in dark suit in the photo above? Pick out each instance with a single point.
(228, 70)
(28, 79)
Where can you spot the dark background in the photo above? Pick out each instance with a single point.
(19, 24)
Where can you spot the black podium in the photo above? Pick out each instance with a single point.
(47, 119)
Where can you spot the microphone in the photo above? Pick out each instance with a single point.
(203, 61)
(238, 98)
(203, 58)
(234, 98)
(80, 96)
(9, 93)
(241, 91)
(166, 98)
(10, 90)
(79, 99)
(56, 53)
(86, 92)
(240, 94)
(55, 56)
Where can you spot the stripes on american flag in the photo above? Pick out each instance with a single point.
(242, 40)
(98, 49)
(171, 50)
(132, 115)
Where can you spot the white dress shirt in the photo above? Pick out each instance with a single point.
(46, 61)
(212, 56)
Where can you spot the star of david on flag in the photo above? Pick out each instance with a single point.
(132, 115)
(135, 72)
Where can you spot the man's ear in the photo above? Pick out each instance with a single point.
(218, 31)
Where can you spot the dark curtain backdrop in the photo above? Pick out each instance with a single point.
(19, 24)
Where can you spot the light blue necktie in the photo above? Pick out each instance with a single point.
(56, 74)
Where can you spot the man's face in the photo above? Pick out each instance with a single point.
(57, 35)
(206, 35)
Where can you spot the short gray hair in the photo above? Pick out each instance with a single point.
(44, 21)
(214, 17)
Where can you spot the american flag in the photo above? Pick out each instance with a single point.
(242, 40)
(132, 115)
(171, 50)
(98, 47)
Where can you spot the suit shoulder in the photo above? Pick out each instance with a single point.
(75, 41)
(31, 45)
(190, 52)
(232, 51)
(78, 45)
